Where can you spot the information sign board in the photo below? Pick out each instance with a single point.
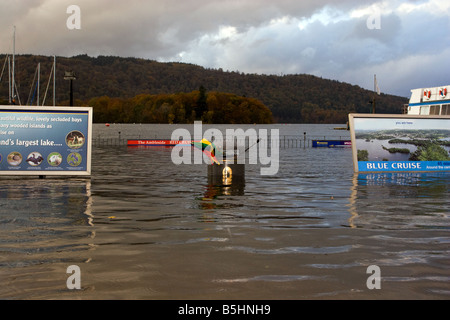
(45, 140)
(389, 142)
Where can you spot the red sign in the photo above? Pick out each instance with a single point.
(157, 143)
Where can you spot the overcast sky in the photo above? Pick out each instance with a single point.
(405, 43)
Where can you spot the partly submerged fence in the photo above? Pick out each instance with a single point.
(285, 141)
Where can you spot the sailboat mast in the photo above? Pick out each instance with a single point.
(374, 83)
(9, 79)
(374, 92)
(13, 65)
(54, 80)
(38, 82)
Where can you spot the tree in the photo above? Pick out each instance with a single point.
(363, 155)
(430, 151)
(202, 105)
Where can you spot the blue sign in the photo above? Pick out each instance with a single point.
(331, 143)
(45, 140)
(364, 166)
(400, 143)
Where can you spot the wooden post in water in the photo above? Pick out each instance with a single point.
(304, 140)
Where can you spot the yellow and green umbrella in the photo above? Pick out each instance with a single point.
(208, 148)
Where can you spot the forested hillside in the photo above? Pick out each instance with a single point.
(211, 107)
(291, 98)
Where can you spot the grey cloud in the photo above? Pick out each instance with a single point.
(267, 38)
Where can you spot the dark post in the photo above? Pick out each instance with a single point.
(71, 93)
(70, 75)
(304, 140)
(373, 104)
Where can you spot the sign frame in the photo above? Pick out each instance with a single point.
(395, 166)
(35, 137)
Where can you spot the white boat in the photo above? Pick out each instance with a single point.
(429, 101)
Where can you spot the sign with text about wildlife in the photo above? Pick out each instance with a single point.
(389, 142)
(45, 140)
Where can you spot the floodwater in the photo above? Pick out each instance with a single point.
(142, 227)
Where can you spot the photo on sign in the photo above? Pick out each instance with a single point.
(75, 140)
(34, 159)
(74, 159)
(54, 159)
(14, 158)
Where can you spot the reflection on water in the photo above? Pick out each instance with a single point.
(43, 223)
(145, 228)
(383, 200)
(43, 208)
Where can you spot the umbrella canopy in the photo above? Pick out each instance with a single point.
(208, 148)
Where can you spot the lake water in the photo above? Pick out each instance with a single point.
(144, 228)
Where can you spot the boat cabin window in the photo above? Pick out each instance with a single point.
(434, 110)
(445, 109)
(424, 110)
